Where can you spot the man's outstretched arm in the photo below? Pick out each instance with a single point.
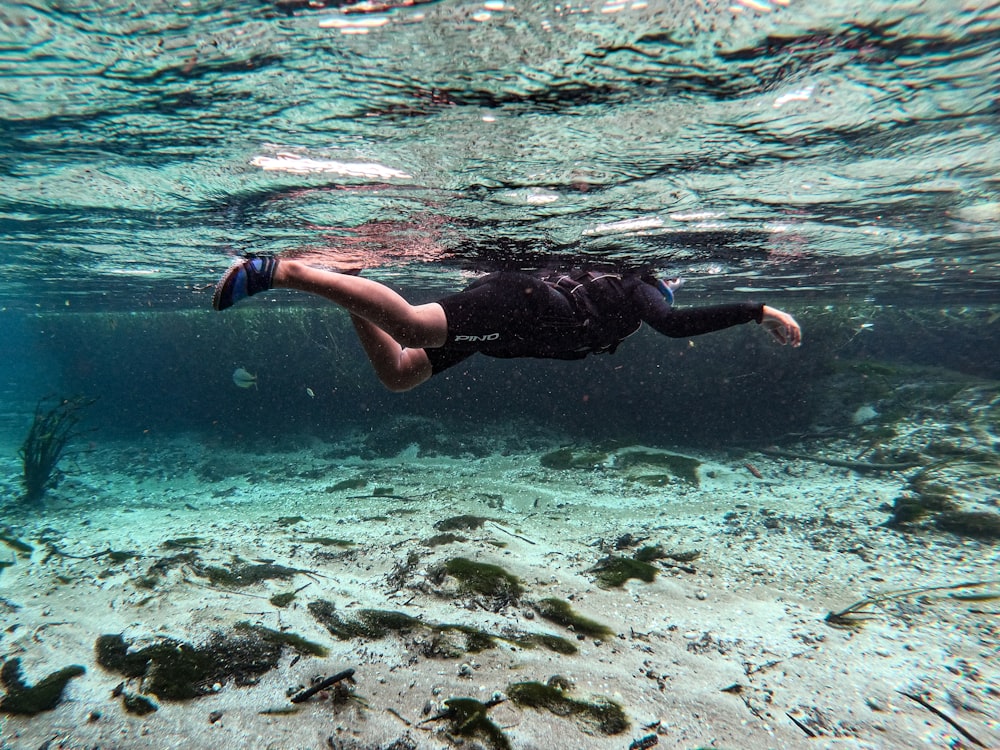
(695, 321)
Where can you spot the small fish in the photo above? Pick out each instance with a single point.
(753, 470)
(244, 379)
(310, 393)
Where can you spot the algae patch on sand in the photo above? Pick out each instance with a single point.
(44, 695)
(561, 613)
(175, 670)
(604, 716)
(494, 586)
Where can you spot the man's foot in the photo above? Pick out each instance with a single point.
(669, 286)
(244, 278)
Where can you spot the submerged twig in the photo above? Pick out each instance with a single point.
(800, 725)
(842, 462)
(516, 536)
(855, 615)
(938, 712)
(309, 692)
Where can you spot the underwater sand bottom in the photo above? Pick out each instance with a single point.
(728, 648)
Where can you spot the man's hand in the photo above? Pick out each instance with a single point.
(782, 326)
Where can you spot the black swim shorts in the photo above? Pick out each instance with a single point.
(503, 314)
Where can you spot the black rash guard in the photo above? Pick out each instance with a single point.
(567, 316)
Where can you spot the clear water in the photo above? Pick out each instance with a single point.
(816, 150)
(836, 159)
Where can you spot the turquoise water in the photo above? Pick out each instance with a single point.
(838, 160)
(815, 150)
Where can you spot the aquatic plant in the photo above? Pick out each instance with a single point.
(438, 539)
(440, 641)
(51, 429)
(979, 524)
(241, 574)
(491, 582)
(175, 670)
(561, 613)
(459, 523)
(569, 458)
(613, 571)
(604, 716)
(467, 717)
(681, 467)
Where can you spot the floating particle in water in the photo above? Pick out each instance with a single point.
(244, 379)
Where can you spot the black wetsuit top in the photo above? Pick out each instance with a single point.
(567, 316)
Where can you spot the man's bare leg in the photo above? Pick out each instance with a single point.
(392, 331)
(411, 326)
(398, 368)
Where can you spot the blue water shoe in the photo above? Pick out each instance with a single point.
(244, 278)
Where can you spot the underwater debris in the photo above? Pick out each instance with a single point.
(468, 717)
(843, 463)
(44, 695)
(604, 716)
(941, 714)
(45, 444)
(309, 692)
(561, 613)
(860, 612)
(495, 587)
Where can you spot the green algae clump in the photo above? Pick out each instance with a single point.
(489, 581)
(978, 524)
(296, 642)
(44, 695)
(174, 670)
(553, 643)
(245, 575)
(460, 523)
(604, 716)
(561, 613)
(614, 571)
(567, 458)
(329, 541)
(368, 623)
(681, 467)
(467, 717)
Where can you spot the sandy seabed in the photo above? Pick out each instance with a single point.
(729, 649)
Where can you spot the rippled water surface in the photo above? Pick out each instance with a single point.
(821, 150)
